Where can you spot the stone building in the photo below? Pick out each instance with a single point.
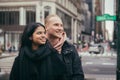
(15, 14)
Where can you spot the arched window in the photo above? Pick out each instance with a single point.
(47, 10)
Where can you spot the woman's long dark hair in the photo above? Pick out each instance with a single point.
(27, 33)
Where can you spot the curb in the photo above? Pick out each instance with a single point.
(5, 56)
(9, 55)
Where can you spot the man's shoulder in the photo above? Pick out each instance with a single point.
(66, 43)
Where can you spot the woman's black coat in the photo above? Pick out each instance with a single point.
(43, 64)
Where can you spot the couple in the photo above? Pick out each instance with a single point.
(48, 57)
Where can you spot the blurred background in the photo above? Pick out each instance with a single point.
(90, 25)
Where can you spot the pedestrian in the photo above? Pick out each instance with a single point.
(66, 51)
(10, 49)
(36, 60)
(13, 48)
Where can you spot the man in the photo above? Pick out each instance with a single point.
(66, 51)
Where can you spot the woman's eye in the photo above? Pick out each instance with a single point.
(39, 32)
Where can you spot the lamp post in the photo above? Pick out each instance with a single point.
(118, 40)
(1, 31)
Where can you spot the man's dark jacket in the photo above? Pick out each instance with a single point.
(73, 62)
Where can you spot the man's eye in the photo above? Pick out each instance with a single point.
(56, 24)
(61, 25)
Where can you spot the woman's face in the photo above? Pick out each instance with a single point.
(39, 36)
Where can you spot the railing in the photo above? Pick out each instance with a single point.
(12, 27)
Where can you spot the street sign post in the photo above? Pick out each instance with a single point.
(106, 17)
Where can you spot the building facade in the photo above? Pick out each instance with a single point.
(15, 14)
(87, 19)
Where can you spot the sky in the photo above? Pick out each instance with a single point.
(109, 9)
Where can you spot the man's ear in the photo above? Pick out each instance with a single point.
(46, 29)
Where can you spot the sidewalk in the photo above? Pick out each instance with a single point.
(105, 54)
(7, 54)
(100, 77)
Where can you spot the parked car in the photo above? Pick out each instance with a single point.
(96, 48)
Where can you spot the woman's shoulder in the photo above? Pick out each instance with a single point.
(49, 45)
(16, 60)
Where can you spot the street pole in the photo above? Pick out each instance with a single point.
(118, 40)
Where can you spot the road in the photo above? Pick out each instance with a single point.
(6, 64)
(99, 67)
(5, 67)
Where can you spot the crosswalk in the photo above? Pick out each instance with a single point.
(100, 77)
(105, 54)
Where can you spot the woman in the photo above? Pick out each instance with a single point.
(37, 60)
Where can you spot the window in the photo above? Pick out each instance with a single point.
(46, 14)
(9, 17)
(30, 16)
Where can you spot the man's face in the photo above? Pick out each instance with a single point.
(54, 27)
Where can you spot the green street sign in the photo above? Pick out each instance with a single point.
(105, 17)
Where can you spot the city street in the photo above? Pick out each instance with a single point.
(92, 26)
(96, 67)
(6, 61)
(105, 54)
(6, 64)
(99, 66)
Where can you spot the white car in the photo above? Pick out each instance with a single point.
(96, 48)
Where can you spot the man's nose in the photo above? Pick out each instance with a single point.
(60, 27)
